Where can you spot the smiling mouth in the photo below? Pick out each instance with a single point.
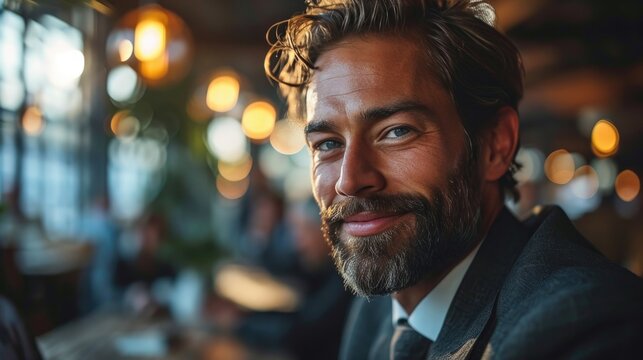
(369, 223)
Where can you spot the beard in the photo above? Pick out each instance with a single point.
(444, 231)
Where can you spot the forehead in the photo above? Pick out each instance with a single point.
(370, 70)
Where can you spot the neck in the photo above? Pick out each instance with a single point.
(410, 297)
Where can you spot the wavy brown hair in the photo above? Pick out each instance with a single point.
(477, 65)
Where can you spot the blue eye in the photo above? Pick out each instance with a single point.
(398, 132)
(328, 145)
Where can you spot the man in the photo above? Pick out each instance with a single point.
(411, 118)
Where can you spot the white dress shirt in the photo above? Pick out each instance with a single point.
(428, 316)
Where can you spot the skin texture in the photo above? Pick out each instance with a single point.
(379, 124)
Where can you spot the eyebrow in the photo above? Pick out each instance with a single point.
(373, 115)
(379, 113)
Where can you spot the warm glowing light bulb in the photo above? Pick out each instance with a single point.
(155, 69)
(150, 37)
(32, 122)
(258, 120)
(223, 93)
(161, 49)
(125, 50)
(605, 138)
(559, 167)
(627, 185)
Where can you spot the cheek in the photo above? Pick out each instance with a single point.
(324, 178)
(417, 169)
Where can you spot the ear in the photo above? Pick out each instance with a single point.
(500, 144)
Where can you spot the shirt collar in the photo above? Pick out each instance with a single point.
(428, 316)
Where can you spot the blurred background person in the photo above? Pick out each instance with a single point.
(314, 329)
(138, 269)
(98, 285)
(266, 239)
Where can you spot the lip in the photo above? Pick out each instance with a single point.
(369, 223)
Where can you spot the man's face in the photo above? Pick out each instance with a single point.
(398, 188)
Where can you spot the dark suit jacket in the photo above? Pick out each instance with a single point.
(536, 290)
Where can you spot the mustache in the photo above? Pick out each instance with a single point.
(392, 204)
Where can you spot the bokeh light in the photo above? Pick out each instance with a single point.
(223, 93)
(157, 132)
(12, 93)
(60, 105)
(559, 167)
(585, 182)
(627, 185)
(61, 55)
(124, 85)
(606, 170)
(288, 137)
(232, 190)
(241, 284)
(32, 121)
(258, 120)
(150, 35)
(531, 160)
(155, 69)
(225, 140)
(161, 44)
(35, 61)
(135, 175)
(235, 171)
(605, 138)
(124, 125)
(12, 28)
(66, 66)
(125, 49)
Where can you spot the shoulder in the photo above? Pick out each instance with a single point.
(558, 256)
(576, 313)
(564, 299)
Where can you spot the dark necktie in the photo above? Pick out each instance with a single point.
(407, 344)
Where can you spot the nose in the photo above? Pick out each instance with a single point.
(360, 173)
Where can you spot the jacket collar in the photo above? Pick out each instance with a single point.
(474, 301)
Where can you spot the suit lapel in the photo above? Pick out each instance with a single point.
(381, 346)
(472, 307)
